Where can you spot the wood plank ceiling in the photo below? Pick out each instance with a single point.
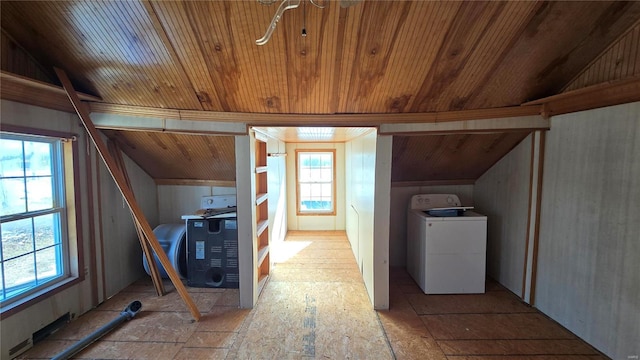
(376, 57)
(171, 158)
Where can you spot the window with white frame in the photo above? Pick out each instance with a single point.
(315, 182)
(33, 214)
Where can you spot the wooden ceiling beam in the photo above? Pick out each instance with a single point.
(34, 92)
(337, 120)
(591, 97)
(196, 182)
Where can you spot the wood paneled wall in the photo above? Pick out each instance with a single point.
(502, 194)
(621, 60)
(120, 247)
(588, 268)
(16, 60)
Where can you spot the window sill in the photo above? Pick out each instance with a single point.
(17, 306)
(329, 213)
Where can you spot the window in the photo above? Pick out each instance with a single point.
(33, 214)
(315, 182)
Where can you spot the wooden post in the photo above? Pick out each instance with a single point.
(127, 193)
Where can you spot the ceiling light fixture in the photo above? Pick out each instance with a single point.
(292, 4)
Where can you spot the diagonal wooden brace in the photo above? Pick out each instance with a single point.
(114, 149)
(126, 191)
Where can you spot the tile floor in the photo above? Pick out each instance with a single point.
(315, 305)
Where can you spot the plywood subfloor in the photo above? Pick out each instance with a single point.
(491, 326)
(315, 306)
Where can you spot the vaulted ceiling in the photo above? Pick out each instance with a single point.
(375, 57)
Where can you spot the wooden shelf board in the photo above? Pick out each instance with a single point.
(262, 280)
(260, 198)
(262, 254)
(262, 226)
(261, 169)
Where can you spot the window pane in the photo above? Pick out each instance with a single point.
(304, 160)
(19, 273)
(39, 193)
(327, 160)
(48, 263)
(325, 175)
(326, 204)
(12, 196)
(46, 230)
(315, 181)
(32, 248)
(37, 157)
(315, 191)
(305, 192)
(314, 160)
(305, 175)
(326, 190)
(11, 158)
(17, 238)
(315, 174)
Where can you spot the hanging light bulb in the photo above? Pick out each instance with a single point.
(284, 6)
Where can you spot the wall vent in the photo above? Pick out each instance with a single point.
(20, 347)
(50, 329)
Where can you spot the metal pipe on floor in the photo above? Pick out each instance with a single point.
(128, 313)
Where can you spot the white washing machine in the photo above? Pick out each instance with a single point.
(446, 245)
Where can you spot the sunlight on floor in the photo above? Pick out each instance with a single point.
(288, 249)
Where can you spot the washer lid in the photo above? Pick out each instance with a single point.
(437, 202)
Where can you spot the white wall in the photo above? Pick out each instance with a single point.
(502, 194)
(119, 244)
(588, 262)
(368, 186)
(400, 197)
(177, 200)
(277, 187)
(310, 222)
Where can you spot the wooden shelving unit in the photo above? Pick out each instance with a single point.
(262, 213)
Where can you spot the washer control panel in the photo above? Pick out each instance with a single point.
(217, 201)
(434, 201)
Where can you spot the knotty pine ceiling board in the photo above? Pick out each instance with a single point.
(373, 57)
(421, 33)
(619, 61)
(310, 59)
(557, 43)
(202, 31)
(449, 157)
(110, 48)
(474, 46)
(179, 156)
(380, 26)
